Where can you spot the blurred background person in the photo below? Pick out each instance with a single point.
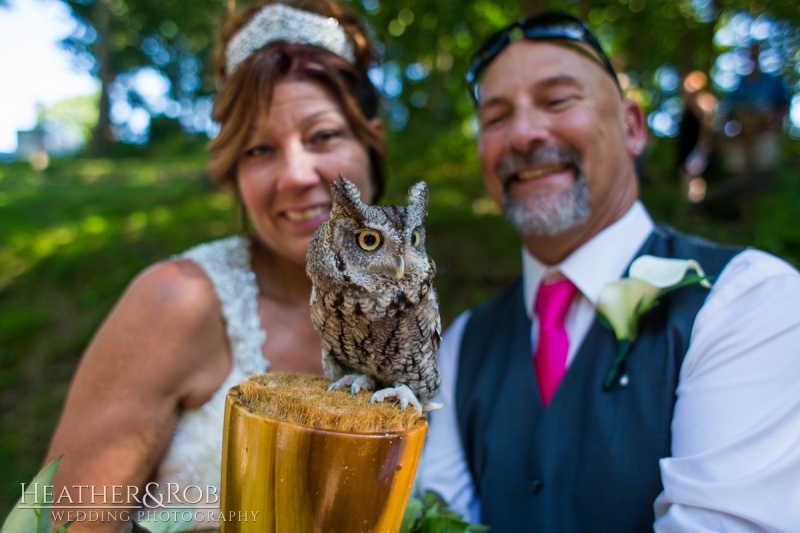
(752, 117)
(695, 139)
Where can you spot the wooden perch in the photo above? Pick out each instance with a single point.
(308, 460)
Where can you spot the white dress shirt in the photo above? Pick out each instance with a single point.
(735, 463)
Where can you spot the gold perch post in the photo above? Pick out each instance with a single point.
(308, 460)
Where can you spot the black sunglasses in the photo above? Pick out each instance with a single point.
(545, 26)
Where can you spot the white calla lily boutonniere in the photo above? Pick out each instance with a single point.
(622, 303)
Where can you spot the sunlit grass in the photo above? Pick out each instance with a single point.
(91, 202)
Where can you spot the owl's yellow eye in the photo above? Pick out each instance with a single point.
(369, 240)
(415, 238)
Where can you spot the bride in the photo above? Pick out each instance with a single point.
(142, 423)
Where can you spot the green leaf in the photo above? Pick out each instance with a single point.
(35, 516)
(617, 365)
(63, 527)
(444, 524)
(430, 514)
(413, 510)
(690, 279)
(642, 308)
(605, 322)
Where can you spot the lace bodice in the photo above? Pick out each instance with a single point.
(194, 456)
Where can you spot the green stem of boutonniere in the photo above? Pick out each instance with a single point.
(618, 365)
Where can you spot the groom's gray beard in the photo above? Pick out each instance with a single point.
(546, 214)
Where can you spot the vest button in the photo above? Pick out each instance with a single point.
(536, 486)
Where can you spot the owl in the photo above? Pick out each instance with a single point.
(373, 299)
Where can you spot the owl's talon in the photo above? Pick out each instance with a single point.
(362, 382)
(401, 393)
(356, 382)
(342, 383)
(432, 406)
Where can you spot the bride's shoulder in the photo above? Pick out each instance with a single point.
(174, 285)
(170, 323)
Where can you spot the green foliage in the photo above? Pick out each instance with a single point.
(77, 114)
(31, 514)
(132, 34)
(430, 514)
(427, 49)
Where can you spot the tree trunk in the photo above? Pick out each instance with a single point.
(687, 47)
(101, 135)
(583, 9)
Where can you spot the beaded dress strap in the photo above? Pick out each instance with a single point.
(226, 262)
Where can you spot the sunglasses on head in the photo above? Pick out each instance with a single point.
(551, 25)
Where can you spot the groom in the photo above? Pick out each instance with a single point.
(702, 432)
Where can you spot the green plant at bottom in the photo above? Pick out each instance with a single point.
(32, 512)
(430, 514)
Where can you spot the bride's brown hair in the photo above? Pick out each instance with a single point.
(247, 93)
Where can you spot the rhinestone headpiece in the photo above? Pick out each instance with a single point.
(279, 22)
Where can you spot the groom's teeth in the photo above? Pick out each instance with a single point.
(540, 171)
(306, 214)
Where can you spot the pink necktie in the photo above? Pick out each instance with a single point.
(550, 359)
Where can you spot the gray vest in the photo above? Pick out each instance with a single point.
(589, 462)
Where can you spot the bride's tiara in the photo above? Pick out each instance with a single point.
(279, 22)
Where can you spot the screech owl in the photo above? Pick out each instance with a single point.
(373, 299)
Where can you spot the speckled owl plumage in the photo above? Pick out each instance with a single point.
(373, 299)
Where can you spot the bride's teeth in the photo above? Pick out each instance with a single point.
(305, 214)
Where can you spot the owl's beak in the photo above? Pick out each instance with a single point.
(399, 268)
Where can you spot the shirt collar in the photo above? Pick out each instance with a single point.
(602, 259)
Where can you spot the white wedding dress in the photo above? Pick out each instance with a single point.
(188, 479)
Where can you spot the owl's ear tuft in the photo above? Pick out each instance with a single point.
(346, 196)
(418, 197)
